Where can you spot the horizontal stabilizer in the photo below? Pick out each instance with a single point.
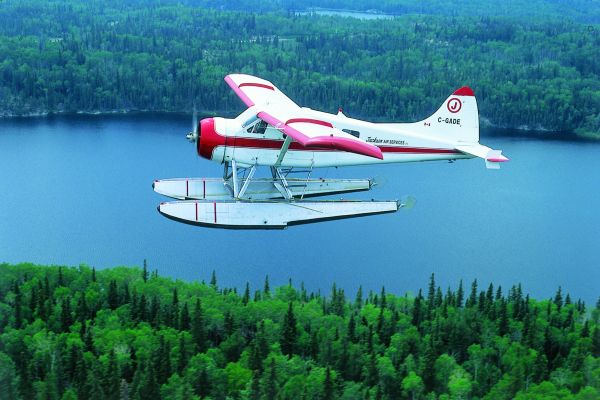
(492, 157)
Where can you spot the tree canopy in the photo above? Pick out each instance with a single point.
(532, 70)
(65, 334)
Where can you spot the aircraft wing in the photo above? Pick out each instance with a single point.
(276, 109)
(255, 91)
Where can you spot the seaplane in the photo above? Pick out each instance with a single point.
(277, 134)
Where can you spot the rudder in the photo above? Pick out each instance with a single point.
(458, 117)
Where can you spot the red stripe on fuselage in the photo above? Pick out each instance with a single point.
(266, 144)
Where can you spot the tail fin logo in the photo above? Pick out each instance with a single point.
(454, 105)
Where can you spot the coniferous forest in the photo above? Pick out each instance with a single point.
(533, 64)
(128, 333)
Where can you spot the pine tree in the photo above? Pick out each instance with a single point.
(460, 294)
(358, 303)
(246, 297)
(66, 319)
(596, 342)
(472, 300)
(150, 388)
(112, 383)
(303, 294)
(18, 306)
(289, 333)
(489, 297)
(82, 308)
(267, 288)
(173, 314)
(154, 314)
(183, 355)
(503, 319)
(61, 280)
(428, 364)
(88, 340)
(585, 331)
(142, 311)
(145, 271)
(113, 295)
(213, 280)
(328, 393)
(314, 345)
(255, 386)
(416, 311)
(162, 361)
(438, 297)
(184, 320)
(197, 328)
(228, 323)
(370, 375)
(271, 381)
(126, 295)
(430, 295)
(93, 274)
(352, 329)
(383, 302)
(33, 301)
(558, 299)
(94, 388)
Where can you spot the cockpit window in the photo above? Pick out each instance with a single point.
(352, 132)
(260, 127)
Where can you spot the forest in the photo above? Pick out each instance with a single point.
(534, 65)
(128, 333)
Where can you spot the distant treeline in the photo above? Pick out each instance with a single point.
(538, 72)
(126, 333)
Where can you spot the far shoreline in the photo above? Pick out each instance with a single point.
(488, 130)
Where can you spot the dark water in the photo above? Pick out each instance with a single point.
(78, 190)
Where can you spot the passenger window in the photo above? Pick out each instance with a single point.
(260, 127)
(353, 133)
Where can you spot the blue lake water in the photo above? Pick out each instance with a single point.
(78, 190)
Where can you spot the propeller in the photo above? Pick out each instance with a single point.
(193, 135)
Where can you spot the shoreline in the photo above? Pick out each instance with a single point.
(488, 129)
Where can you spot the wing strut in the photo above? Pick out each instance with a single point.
(284, 149)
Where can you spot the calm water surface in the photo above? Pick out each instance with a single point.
(78, 190)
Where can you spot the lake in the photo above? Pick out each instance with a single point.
(77, 189)
(346, 13)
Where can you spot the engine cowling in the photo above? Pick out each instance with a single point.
(208, 138)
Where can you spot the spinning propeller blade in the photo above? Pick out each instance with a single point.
(193, 135)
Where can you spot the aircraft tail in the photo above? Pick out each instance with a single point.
(457, 120)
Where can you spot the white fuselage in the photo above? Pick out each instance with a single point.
(398, 143)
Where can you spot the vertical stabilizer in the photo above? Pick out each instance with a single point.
(458, 118)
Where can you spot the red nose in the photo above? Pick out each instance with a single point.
(208, 138)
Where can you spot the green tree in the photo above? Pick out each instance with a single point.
(412, 385)
(289, 332)
(145, 271)
(9, 381)
(197, 327)
(113, 295)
